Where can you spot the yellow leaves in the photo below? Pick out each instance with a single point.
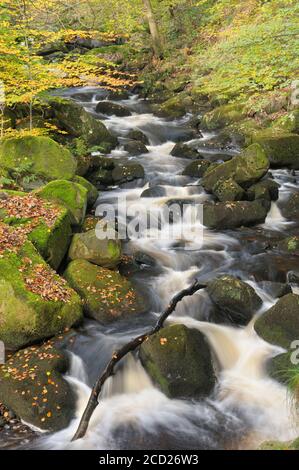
(163, 341)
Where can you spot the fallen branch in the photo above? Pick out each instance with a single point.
(122, 352)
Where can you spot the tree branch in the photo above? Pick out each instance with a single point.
(123, 351)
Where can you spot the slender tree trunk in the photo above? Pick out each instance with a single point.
(156, 38)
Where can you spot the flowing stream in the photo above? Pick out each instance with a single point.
(247, 407)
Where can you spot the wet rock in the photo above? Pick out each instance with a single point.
(276, 289)
(144, 259)
(237, 300)
(245, 169)
(74, 119)
(155, 191)
(290, 209)
(105, 252)
(280, 324)
(196, 169)
(228, 190)
(31, 384)
(136, 134)
(44, 157)
(35, 302)
(282, 149)
(123, 173)
(107, 296)
(112, 109)
(135, 148)
(225, 215)
(174, 107)
(118, 95)
(183, 151)
(179, 361)
(72, 196)
(267, 189)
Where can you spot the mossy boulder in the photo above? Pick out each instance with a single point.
(280, 324)
(72, 196)
(179, 361)
(44, 157)
(223, 116)
(245, 169)
(47, 224)
(196, 169)
(35, 302)
(92, 192)
(289, 122)
(126, 172)
(266, 189)
(236, 300)
(174, 107)
(112, 109)
(32, 385)
(75, 120)
(282, 149)
(107, 296)
(228, 190)
(289, 245)
(104, 252)
(225, 215)
(184, 151)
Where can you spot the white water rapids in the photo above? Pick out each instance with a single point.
(247, 407)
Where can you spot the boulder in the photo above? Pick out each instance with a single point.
(290, 209)
(223, 116)
(280, 324)
(179, 361)
(228, 190)
(72, 196)
(174, 107)
(105, 253)
(154, 191)
(40, 156)
(276, 289)
(32, 385)
(135, 147)
(92, 192)
(47, 224)
(225, 215)
(245, 169)
(35, 302)
(107, 296)
(126, 172)
(75, 120)
(183, 151)
(236, 300)
(289, 245)
(266, 189)
(196, 169)
(112, 109)
(282, 149)
(136, 134)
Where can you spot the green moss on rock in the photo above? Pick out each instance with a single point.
(236, 299)
(103, 252)
(179, 361)
(44, 157)
(282, 149)
(245, 169)
(228, 190)
(25, 316)
(223, 116)
(72, 196)
(280, 324)
(196, 169)
(31, 384)
(92, 194)
(107, 295)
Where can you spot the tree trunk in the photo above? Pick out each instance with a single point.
(157, 42)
